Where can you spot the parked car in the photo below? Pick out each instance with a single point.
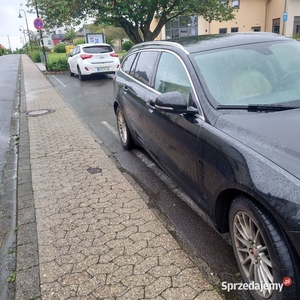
(88, 59)
(221, 115)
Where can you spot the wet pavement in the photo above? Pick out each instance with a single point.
(84, 231)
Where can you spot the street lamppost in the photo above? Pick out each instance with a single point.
(19, 16)
(24, 38)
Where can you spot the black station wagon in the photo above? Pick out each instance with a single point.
(221, 115)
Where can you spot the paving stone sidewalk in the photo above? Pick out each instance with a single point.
(97, 239)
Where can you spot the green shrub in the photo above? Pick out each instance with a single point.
(35, 56)
(58, 65)
(60, 48)
(127, 45)
(79, 41)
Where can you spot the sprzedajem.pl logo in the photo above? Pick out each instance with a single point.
(255, 286)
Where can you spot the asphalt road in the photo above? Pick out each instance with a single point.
(9, 101)
(92, 101)
(9, 65)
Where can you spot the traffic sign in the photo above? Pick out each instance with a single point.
(38, 23)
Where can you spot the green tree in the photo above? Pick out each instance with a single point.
(134, 16)
(70, 34)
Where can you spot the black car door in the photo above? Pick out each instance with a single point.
(174, 140)
(134, 87)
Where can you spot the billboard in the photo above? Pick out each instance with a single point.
(95, 38)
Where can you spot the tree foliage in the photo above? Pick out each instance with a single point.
(70, 34)
(134, 16)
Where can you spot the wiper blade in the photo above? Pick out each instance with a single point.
(258, 107)
(269, 107)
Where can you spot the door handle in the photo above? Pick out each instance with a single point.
(150, 105)
(125, 88)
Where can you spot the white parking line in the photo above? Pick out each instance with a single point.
(111, 129)
(58, 80)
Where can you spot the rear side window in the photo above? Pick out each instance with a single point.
(126, 66)
(97, 49)
(145, 66)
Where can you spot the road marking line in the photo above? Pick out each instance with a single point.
(58, 80)
(111, 129)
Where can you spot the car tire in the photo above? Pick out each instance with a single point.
(80, 76)
(71, 73)
(124, 133)
(261, 249)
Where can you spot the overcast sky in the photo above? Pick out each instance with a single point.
(10, 23)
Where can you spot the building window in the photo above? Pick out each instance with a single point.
(182, 26)
(234, 29)
(296, 30)
(276, 25)
(222, 30)
(235, 3)
(224, 3)
(256, 28)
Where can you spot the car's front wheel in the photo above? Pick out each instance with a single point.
(123, 130)
(262, 252)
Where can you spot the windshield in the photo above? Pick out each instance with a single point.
(263, 73)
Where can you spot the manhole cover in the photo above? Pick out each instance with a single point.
(94, 170)
(39, 112)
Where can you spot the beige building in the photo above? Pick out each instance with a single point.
(250, 15)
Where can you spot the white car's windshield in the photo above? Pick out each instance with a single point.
(261, 73)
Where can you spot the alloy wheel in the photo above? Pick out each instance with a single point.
(253, 253)
(122, 127)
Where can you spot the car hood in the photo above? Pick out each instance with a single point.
(275, 135)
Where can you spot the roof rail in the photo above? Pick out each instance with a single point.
(163, 43)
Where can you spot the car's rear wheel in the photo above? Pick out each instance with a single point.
(262, 252)
(123, 130)
(70, 72)
(80, 76)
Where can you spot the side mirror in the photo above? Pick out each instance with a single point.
(173, 102)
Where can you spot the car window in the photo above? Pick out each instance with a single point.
(97, 49)
(76, 50)
(127, 63)
(145, 66)
(171, 76)
(263, 73)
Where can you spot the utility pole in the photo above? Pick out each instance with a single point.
(283, 23)
(9, 43)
